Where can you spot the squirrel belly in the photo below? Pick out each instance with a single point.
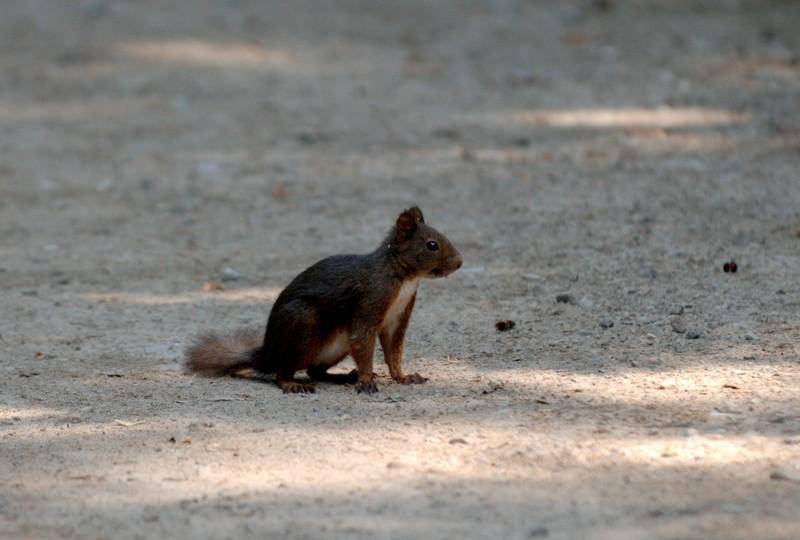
(342, 305)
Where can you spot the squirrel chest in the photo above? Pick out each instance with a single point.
(398, 306)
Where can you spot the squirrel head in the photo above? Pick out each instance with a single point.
(422, 249)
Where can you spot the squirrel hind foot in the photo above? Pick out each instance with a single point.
(294, 387)
(414, 378)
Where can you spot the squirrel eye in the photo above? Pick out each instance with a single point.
(432, 245)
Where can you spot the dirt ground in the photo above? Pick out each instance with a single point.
(616, 153)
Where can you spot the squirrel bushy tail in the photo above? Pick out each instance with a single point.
(214, 355)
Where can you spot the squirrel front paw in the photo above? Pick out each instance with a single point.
(414, 378)
(368, 387)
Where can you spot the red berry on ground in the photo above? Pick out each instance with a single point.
(726, 267)
(733, 267)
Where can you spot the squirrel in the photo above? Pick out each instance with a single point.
(338, 307)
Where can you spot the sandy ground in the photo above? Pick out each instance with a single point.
(617, 152)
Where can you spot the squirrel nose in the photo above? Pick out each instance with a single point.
(459, 262)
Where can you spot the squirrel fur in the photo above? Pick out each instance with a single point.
(338, 307)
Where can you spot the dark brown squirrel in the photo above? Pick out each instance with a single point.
(335, 308)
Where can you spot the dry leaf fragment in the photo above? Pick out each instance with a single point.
(127, 423)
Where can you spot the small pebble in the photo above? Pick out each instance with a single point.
(778, 419)
(565, 298)
(603, 5)
(678, 326)
(676, 310)
(785, 475)
(504, 326)
(146, 184)
(311, 138)
(229, 274)
(105, 184)
(522, 142)
(693, 334)
(606, 324)
(451, 134)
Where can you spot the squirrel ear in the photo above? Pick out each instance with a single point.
(417, 213)
(408, 220)
(406, 223)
